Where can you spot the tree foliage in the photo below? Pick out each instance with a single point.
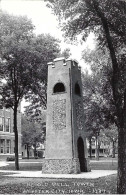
(97, 86)
(65, 53)
(85, 16)
(100, 112)
(33, 133)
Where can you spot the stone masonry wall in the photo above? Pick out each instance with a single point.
(60, 166)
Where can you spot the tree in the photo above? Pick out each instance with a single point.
(94, 106)
(97, 85)
(23, 57)
(99, 107)
(33, 133)
(107, 20)
(65, 53)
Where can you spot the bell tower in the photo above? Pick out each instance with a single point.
(65, 150)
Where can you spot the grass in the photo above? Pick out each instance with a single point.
(24, 167)
(31, 166)
(104, 185)
(104, 165)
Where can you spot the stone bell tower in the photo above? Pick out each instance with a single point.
(66, 150)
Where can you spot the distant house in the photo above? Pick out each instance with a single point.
(40, 151)
(105, 148)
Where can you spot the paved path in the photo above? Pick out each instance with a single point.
(38, 174)
(3, 163)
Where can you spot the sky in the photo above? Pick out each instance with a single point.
(45, 22)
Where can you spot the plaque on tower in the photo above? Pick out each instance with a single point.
(59, 114)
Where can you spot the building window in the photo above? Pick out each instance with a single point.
(1, 124)
(101, 150)
(7, 124)
(93, 151)
(77, 89)
(59, 87)
(8, 146)
(2, 142)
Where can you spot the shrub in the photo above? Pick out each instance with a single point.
(12, 158)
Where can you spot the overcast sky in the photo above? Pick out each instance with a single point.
(45, 22)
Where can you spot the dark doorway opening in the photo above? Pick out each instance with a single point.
(80, 146)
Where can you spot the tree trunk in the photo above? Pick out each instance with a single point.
(113, 149)
(35, 150)
(121, 181)
(27, 151)
(97, 148)
(16, 138)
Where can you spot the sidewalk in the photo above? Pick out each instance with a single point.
(38, 174)
(3, 163)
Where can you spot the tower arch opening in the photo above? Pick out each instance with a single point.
(81, 156)
(77, 89)
(59, 87)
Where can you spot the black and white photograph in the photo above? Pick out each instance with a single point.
(62, 97)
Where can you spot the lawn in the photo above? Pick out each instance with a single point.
(104, 185)
(37, 165)
(112, 165)
(24, 166)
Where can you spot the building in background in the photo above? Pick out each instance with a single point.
(105, 148)
(7, 138)
(40, 150)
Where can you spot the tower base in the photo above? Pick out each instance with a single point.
(60, 166)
